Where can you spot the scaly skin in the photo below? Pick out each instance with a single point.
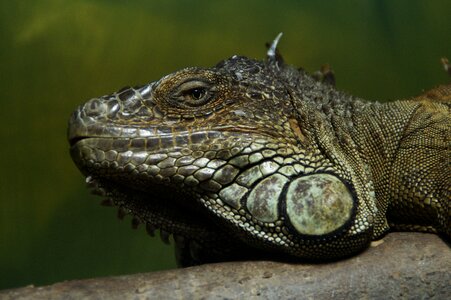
(253, 159)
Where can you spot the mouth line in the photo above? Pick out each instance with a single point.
(205, 132)
(75, 140)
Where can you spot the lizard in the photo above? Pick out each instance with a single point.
(256, 159)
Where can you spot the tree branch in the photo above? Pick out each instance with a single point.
(403, 265)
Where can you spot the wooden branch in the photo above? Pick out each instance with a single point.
(402, 265)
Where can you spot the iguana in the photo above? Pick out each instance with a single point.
(257, 159)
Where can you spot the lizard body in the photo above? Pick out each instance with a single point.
(253, 159)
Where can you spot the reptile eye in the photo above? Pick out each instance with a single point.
(196, 93)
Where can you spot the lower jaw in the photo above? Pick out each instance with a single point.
(196, 239)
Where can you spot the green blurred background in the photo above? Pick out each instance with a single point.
(55, 54)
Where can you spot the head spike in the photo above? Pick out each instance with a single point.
(272, 51)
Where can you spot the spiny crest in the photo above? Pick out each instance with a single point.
(256, 72)
(273, 54)
(245, 64)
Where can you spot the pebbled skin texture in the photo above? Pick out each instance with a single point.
(258, 159)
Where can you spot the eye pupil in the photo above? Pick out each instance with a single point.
(197, 93)
(193, 93)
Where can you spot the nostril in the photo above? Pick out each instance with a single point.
(93, 104)
(95, 107)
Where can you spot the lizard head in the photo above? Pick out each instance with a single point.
(219, 158)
